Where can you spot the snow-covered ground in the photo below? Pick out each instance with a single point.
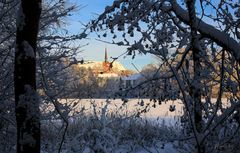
(112, 126)
(143, 108)
(113, 123)
(129, 107)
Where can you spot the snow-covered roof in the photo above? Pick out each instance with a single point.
(133, 77)
(108, 75)
(97, 64)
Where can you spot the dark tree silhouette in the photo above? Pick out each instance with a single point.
(26, 101)
(195, 91)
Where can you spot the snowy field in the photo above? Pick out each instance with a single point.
(129, 107)
(143, 108)
(120, 122)
(100, 125)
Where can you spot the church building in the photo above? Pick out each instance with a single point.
(106, 68)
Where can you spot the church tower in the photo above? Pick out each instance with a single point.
(106, 56)
(106, 64)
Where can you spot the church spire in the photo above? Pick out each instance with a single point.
(106, 56)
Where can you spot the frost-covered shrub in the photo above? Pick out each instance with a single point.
(103, 131)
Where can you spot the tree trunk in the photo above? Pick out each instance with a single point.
(26, 101)
(195, 91)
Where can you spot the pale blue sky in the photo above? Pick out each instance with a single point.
(95, 49)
